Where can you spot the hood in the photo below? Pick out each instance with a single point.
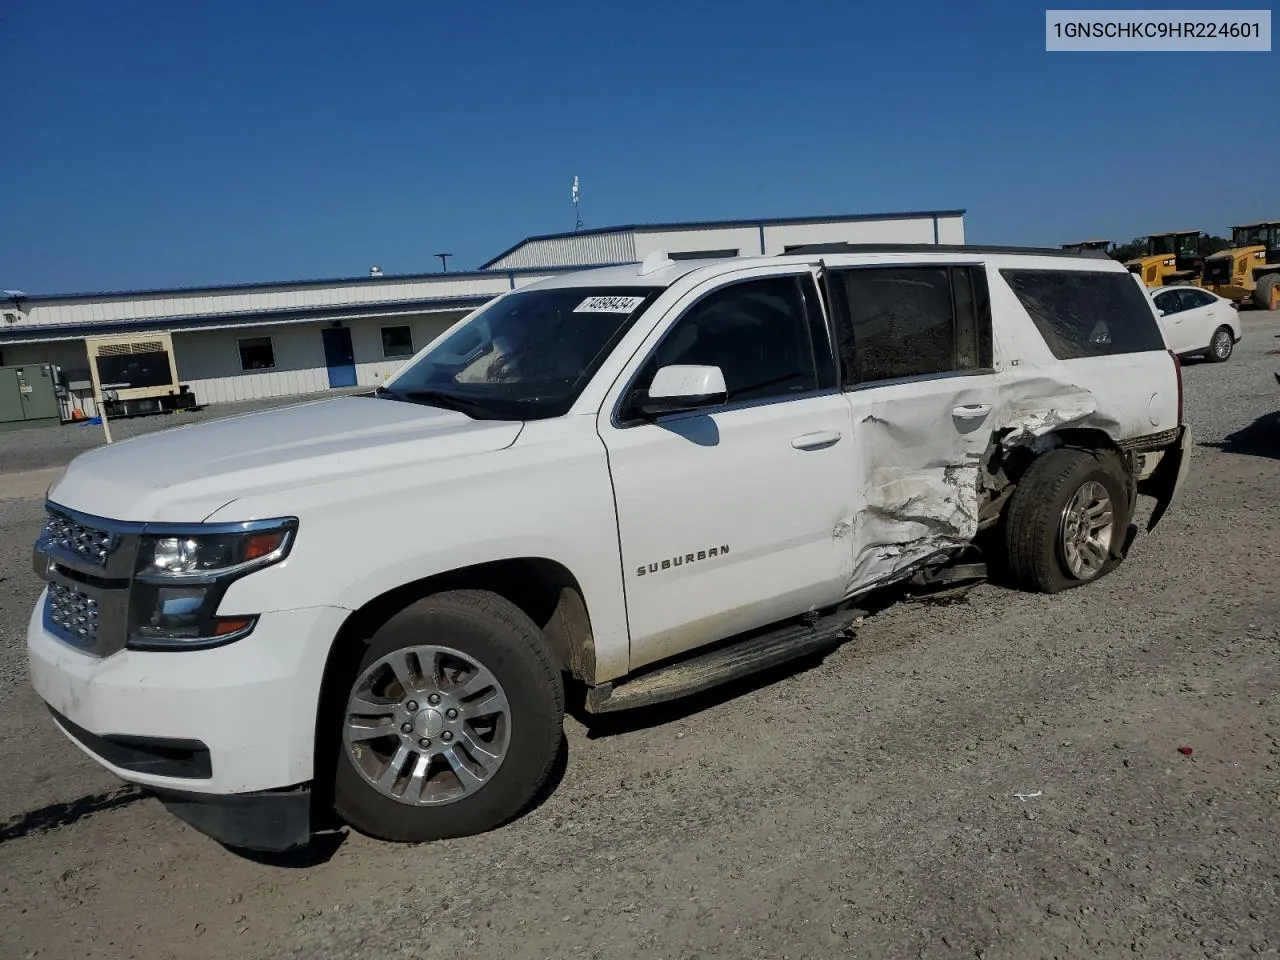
(186, 474)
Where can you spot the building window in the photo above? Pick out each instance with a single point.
(702, 254)
(397, 342)
(256, 353)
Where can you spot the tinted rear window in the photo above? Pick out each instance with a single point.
(1081, 313)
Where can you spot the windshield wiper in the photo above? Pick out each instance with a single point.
(447, 401)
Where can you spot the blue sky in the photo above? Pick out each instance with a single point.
(151, 144)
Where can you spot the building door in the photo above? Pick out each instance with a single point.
(339, 357)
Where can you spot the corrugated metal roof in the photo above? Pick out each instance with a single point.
(705, 224)
(12, 296)
(36, 333)
(601, 246)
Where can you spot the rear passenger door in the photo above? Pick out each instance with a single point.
(915, 352)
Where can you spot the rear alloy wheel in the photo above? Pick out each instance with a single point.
(1086, 529)
(1220, 345)
(1066, 521)
(452, 722)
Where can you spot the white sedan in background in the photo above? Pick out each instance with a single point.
(1197, 322)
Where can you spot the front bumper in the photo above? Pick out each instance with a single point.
(249, 708)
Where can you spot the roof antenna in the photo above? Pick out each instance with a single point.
(577, 211)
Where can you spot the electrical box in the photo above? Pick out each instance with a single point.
(29, 396)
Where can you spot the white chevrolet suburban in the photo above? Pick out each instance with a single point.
(649, 478)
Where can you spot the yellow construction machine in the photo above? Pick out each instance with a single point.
(1250, 269)
(1171, 258)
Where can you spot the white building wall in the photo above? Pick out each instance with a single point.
(951, 230)
(209, 360)
(745, 240)
(914, 230)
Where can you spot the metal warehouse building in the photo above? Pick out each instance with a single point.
(277, 339)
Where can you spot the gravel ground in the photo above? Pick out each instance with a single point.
(866, 805)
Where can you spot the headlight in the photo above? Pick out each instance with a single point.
(182, 575)
(200, 555)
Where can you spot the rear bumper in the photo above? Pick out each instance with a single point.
(1167, 478)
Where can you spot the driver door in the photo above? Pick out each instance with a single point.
(735, 516)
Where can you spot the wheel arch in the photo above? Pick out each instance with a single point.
(545, 590)
(1007, 464)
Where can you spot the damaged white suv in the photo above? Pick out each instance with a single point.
(651, 479)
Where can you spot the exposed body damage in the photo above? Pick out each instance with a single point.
(910, 518)
(916, 516)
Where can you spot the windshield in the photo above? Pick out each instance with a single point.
(1174, 245)
(526, 356)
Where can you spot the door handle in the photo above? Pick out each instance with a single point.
(971, 411)
(812, 441)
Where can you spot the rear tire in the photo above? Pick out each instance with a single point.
(409, 772)
(1066, 521)
(1267, 294)
(1220, 345)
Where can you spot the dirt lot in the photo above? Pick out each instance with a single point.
(864, 806)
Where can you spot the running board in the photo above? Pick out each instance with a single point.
(707, 670)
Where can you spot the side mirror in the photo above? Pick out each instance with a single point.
(1161, 312)
(682, 387)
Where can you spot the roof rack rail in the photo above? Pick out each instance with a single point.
(938, 248)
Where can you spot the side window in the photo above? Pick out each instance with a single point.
(1169, 303)
(1086, 313)
(1196, 298)
(897, 322)
(757, 332)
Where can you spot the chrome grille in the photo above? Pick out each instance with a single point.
(93, 545)
(74, 614)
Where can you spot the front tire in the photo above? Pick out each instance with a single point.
(1066, 520)
(1220, 345)
(452, 721)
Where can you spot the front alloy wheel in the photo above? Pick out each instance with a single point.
(427, 725)
(451, 722)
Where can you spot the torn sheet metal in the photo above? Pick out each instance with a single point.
(1036, 406)
(918, 501)
(911, 517)
(921, 452)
